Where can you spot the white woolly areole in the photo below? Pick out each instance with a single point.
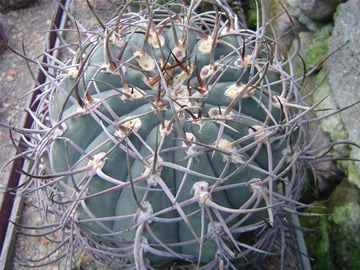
(278, 101)
(154, 39)
(289, 155)
(240, 63)
(153, 178)
(166, 130)
(42, 165)
(258, 128)
(145, 61)
(205, 45)
(180, 91)
(131, 125)
(225, 144)
(145, 216)
(201, 191)
(216, 113)
(228, 31)
(182, 77)
(59, 130)
(233, 91)
(93, 104)
(209, 70)
(106, 67)
(191, 138)
(179, 52)
(201, 123)
(72, 72)
(255, 185)
(144, 244)
(98, 162)
(214, 228)
(74, 215)
(132, 93)
(116, 40)
(180, 94)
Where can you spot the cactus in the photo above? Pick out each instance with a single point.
(171, 135)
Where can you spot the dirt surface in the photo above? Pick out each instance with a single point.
(24, 28)
(29, 27)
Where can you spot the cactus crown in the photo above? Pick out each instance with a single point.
(167, 136)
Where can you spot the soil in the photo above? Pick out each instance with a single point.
(28, 27)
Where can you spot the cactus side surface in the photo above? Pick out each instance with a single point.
(171, 135)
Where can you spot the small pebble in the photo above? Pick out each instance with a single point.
(10, 78)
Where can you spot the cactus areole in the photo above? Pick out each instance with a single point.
(167, 135)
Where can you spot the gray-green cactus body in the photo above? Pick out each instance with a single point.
(184, 109)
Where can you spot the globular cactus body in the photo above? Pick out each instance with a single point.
(169, 133)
